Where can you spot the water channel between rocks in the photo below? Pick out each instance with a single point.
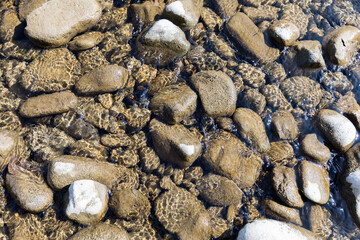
(187, 119)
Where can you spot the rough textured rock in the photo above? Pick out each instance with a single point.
(225, 8)
(162, 43)
(57, 21)
(280, 153)
(248, 37)
(284, 125)
(217, 92)
(55, 70)
(227, 155)
(48, 104)
(251, 128)
(86, 41)
(254, 100)
(182, 213)
(284, 183)
(145, 13)
(175, 143)
(184, 13)
(281, 212)
(284, 33)
(320, 221)
(218, 190)
(9, 23)
(342, 44)
(252, 76)
(106, 78)
(101, 231)
(29, 191)
(129, 204)
(9, 142)
(174, 103)
(314, 182)
(272, 229)
(314, 149)
(87, 201)
(351, 109)
(336, 128)
(294, 13)
(337, 81)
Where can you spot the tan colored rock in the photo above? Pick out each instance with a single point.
(247, 36)
(225, 8)
(313, 148)
(284, 125)
(284, 33)
(145, 13)
(9, 23)
(107, 78)
(351, 109)
(308, 54)
(184, 13)
(281, 212)
(86, 41)
(48, 104)
(319, 221)
(101, 231)
(57, 21)
(251, 128)
(8, 143)
(280, 153)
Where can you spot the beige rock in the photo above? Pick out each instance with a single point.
(8, 143)
(226, 8)
(184, 13)
(9, 23)
(57, 21)
(351, 109)
(101, 231)
(313, 148)
(284, 125)
(308, 54)
(48, 104)
(145, 13)
(86, 41)
(27, 6)
(280, 153)
(319, 221)
(281, 212)
(284, 33)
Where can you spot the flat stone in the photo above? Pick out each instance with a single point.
(248, 37)
(184, 13)
(55, 22)
(272, 229)
(284, 125)
(174, 103)
(225, 8)
(106, 78)
(308, 54)
(175, 143)
(101, 231)
(251, 128)
(281, 212)
(86, 202)
(314, 182)
(342, 44)
(48, 104)
(217, 92)
(314, 149)
(86, 41)
(27, 6)
(336, 128)
(8, 142)
(284, 33)
(29, 191)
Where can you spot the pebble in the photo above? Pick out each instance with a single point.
(284, 125)
(336, 128)
(86, 41)
(248, 36)
(251, 128)
(314, 182)
(175, 143)
(342, 44)
(314, 149)
(48, 104)
(216, 91)
(349, 106)
(55, 22)
(145, 13)
(281, 212)
(106, 78)
(280, 153)
(29, 191)
(218, 190)
(320, 221)
(225, 8)
(184, 13)
(174, 103)
(27, 6)
(308, 54)
(8, 144)
(274, 230)
(101, 231)
(284, 33)
(9, 26)
(87, 201)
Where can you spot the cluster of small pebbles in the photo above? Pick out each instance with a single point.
(179, 119)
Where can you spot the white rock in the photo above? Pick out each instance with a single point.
(62, 168)
(268, 229)
(7, 142)
(354, 179)
(87, 201)
(312, 189)
(183, 13)
(187, 149)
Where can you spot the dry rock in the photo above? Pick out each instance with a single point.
(184, 13)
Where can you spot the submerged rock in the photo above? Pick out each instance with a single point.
(184, 13)
(314, 149)
(101, 231)
(281, 212)
(284, 33)
(86, 41)
(284, 125)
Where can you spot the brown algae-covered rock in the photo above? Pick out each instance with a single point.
(101, 231)
(314, 149)
(86, 41)
(281, 212)
(284, 125)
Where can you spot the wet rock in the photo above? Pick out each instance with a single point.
(218, 190)
(341, 45)
(248, 37)
(254, 100)
(55, 22)
(108, 78)
(91, 59)
(314, 149)
(29, 191)
(217, 92)
(220, 46)
(261, 13)
(337, 81)
(319, 221)
(220, 227)
(225, 8)
(182, 213)
(336, 128)
(53, 71)
(86, 202)
(211, 19)
(27, 6)
(9, 23)
(293, 13)
(101, 231)
(10, 121)
(284, 33)
(149, 160)
(251, 128)
(8, 145)
(137, 117)
(115, 140)
(175, 143)
(86, 41)
(48, 104)
(266, 228)
(144, 13)
(281, 212)
(284, 183)
(280, 153)
(275, 98)
(174, 103)
(64, 170)
(162, 43)
(127, 157)
(284, 125)
(351, 109)
(251, 75)
(227, 155)
(308, 54)
(184, 13)
(89, 148)
(130, 203)
(314, 182)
